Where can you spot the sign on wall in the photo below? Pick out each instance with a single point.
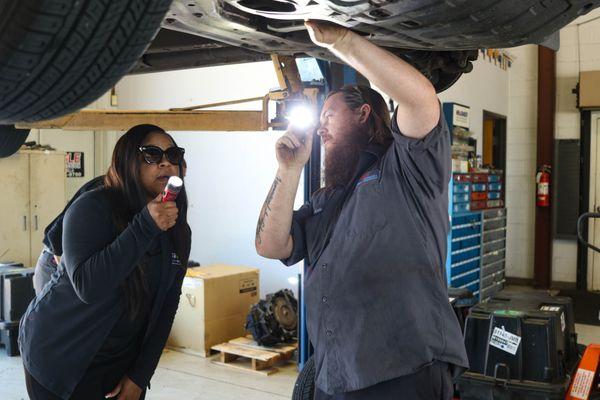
(460, 116)
(74, 161)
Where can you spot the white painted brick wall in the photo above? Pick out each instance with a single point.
(579, 51)
(521, 146)
(485, 88)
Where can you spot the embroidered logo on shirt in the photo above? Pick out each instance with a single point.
(175, 260)
(368, 177)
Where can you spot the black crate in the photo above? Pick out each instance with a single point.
(475, 387)
(9, 334)
(16, 292)
(562, 305)
(544, 359)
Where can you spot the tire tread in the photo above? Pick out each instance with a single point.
(57, 56)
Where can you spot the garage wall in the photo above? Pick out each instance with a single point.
(490, 88)
(229, 174)
(224, 221)
(520, 162)
(71, 141)
(579, 51)
(96, 146)
(512, 93)
(484, 88)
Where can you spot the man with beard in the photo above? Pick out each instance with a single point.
(374, 238)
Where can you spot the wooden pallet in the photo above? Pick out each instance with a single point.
(245, 354)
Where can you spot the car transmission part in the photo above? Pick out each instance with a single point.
(275, 319)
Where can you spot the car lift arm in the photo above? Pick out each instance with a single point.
(191, 118)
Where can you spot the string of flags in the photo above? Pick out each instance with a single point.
(499, 57)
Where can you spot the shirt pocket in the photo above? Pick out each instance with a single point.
(363, 216)
(315, 231)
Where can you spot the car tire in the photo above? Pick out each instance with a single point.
(443, 68)
(304, 388)
(57, 56)
(11, 139)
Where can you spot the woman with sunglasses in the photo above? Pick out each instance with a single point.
(98, 328)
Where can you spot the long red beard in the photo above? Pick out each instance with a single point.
(340, 163)
(342, 159)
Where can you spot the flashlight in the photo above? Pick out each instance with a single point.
(174, 185)
(300, 117)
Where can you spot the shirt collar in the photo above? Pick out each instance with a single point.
(374, 149)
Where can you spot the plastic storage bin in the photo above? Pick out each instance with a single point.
(479, 196)
(478, 205)
(479, 178)
(495, 186)
(461, 188)
(461, 207)
(520, 346)
(461, 198)
(478, 187)
(462, 178)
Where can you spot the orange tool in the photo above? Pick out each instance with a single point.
(581, 386)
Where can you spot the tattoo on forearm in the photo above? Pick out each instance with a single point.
(265, 210)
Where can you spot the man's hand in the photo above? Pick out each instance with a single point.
(325, 34)
(418, 107)
(126, 390)
(163, 214)
(293, 149)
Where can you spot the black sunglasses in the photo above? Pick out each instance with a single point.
(154, 154)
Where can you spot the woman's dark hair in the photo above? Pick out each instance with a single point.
(128, 197)
(378, 123)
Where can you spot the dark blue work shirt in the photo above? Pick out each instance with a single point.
(376, 294)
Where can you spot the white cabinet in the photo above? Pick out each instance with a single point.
(32, 194)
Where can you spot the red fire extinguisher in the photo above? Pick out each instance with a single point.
(543, 186)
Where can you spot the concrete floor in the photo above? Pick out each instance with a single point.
(180, 377)
(184, 377)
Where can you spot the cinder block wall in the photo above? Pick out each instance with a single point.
(520, 162)
(579, 51)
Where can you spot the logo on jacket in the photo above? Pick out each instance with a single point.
(368, 177)
(175, 259)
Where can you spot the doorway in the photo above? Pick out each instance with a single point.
(494, 140)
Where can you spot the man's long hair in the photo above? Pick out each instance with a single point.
(340, 164)
(128, 197)
(378, 123)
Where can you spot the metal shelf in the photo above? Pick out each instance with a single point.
(482, 233)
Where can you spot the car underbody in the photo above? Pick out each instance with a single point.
(441, 38)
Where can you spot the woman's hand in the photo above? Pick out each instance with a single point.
(163, 214)
(126, 390)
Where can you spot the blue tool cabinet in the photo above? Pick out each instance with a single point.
(475, 259)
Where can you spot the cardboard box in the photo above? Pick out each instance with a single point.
(213, 306)
(589, 89)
